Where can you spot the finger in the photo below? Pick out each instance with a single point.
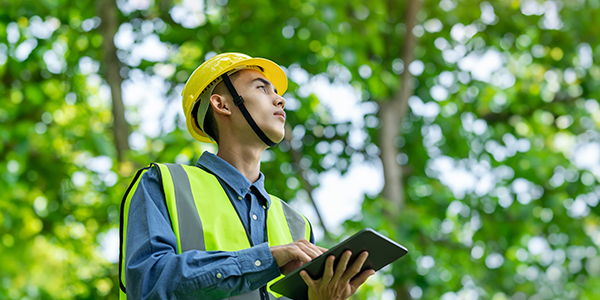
(342, 264)
(304, 241)
(358, 281)
(301, 250)
(297, 253)
(309, 282)
(303, 256)
(310, 249)
(328, 274)
(317, 249)
(356, 266)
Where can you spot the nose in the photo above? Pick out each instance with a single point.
(279, 101)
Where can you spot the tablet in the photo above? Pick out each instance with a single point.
(382, 251)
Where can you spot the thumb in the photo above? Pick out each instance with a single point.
(309, 282)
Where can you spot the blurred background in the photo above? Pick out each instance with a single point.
(466, 130)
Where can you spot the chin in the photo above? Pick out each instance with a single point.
(277, 137)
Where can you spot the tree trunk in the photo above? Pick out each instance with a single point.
(107, 10)
(392, 112)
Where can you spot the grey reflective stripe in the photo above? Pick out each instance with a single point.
(295, 221)
(190, 226)
(253, 295)
(271, 297)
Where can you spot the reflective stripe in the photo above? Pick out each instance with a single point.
(250, 295)
(278, 231)
(273, 297)
(295, 221)
(190, 226)
(169, 191)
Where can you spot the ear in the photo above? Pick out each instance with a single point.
(219, 105)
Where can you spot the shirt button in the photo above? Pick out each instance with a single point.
(239, 197)
(219, 275)
(254, 217)
(257, 263)
(250, 189)
(264, 206)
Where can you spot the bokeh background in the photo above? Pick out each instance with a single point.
(466, 130)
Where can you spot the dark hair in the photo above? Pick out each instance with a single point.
(210, 124)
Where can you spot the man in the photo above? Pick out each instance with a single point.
(211, 231)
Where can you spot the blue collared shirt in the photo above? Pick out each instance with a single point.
(154, 270)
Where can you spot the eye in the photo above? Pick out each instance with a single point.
(263, 88)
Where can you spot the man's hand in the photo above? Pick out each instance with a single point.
(337, 286)
(292, 256)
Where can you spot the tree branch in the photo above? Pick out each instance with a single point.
(296, 156)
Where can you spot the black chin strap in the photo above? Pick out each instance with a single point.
(239, 102)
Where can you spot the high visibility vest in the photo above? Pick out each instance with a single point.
(204, 218)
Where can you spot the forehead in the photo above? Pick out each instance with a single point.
(248, 75)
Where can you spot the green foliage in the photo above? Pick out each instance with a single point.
(522, 221)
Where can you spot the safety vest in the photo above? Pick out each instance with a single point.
(204, 218)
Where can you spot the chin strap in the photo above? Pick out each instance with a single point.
(239, 102)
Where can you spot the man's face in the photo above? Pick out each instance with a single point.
(263, 103)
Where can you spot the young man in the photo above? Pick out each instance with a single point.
(211, 231)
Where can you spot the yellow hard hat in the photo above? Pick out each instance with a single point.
(202, 82)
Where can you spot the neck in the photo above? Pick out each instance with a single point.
(245, 158)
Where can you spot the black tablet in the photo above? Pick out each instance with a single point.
(382, 251)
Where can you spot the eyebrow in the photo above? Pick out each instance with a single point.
(266, 82)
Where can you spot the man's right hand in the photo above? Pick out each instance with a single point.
(292, 256)
(337, 285)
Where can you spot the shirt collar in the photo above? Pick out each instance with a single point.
(231, 176)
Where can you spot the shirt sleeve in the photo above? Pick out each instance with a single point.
(154, 270)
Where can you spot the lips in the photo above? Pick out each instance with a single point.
(280, 113)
